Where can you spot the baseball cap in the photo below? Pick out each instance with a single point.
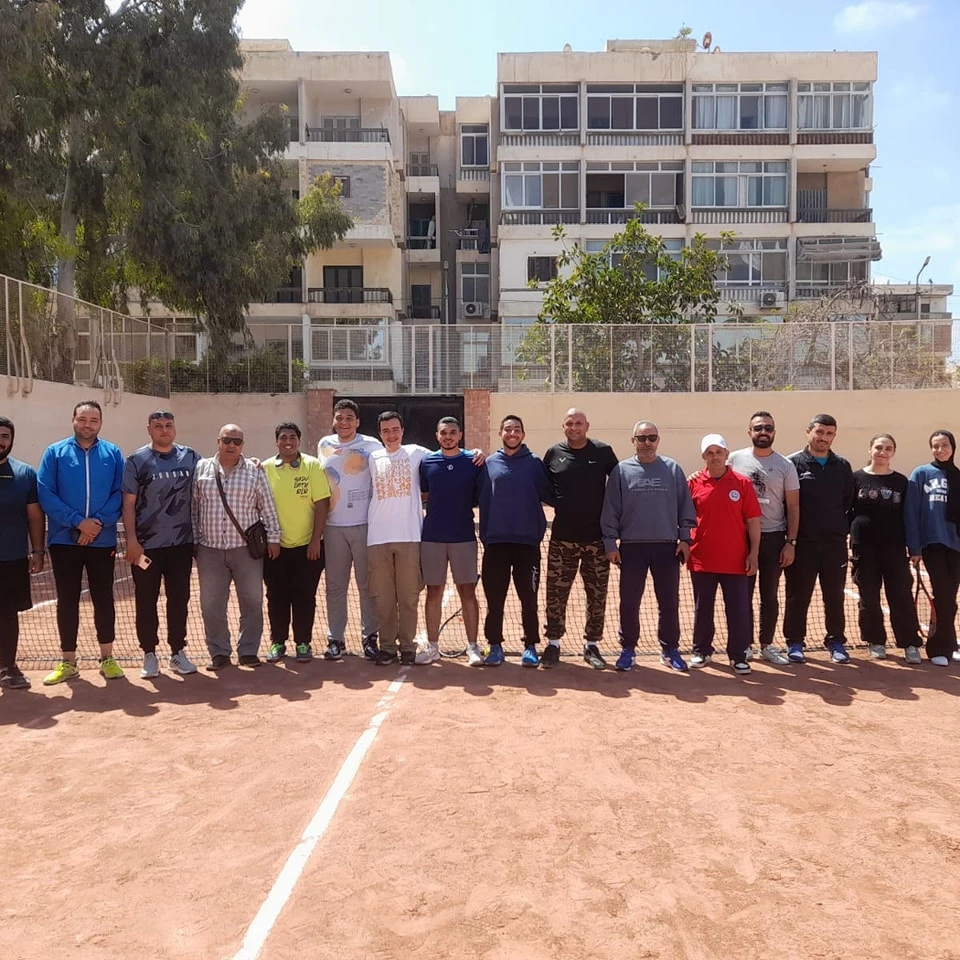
(713, 440)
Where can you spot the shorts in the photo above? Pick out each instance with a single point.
(462, 558)
(15, 585)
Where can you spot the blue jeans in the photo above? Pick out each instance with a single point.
(736, 602)
(661, 560)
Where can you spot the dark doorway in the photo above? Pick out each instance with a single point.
(420, 415)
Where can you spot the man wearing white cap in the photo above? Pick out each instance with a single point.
(726, 544)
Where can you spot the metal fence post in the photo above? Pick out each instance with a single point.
(709, 359)
(429, 360)
(289, 358)
(570, 357)
(833, 355)
(553, 358)
(610, 388)
(849, 355)
(693, 358)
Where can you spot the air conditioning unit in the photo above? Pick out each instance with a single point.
(472, 309)
(771, 299)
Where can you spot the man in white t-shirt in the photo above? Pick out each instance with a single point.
(777, 485)
(344, 457)
(394, 525)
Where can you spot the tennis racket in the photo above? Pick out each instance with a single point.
(928, 622)
(453, 636)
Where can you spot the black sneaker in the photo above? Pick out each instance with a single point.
(591, 654)
(13, 678)
(408, 658)
(249, 660)
(370, 648)
(385, 658)
(334, 650)
(218, 662)
(550, 656)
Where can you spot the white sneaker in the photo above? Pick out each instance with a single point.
(750, 653)
(474, 656)
(878, 651)
(151, 667)
(700, 659)
(772, 655)
(180, 663)
(428, 653)
(912, 655)
(956, 655)
(940, 661)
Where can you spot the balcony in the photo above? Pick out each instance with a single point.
(349, 295)
(359, 135)
(827, 215)
(423, 170)
(425, 311)
(610, 215)
(746, 294)
(540, 139)
(742, 138)
(725, 215)
(473, 173)
(286, 295)
(834, 136)
(634, 139)
(532, 218)
(475, 239)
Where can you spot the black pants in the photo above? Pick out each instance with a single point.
(826, 560)
(943, 565)
(888, 566)
(172, 566)
(69, 562)
(14, 598)
(499, 561)
(768, 573)
(291, 582)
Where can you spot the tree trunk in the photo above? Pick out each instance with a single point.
(63, 343)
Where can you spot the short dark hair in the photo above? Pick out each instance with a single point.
(512, 416)
(823, 419)
(8, 423)
(347, 405)
(761, 413)
(287, 425)
(389, 415)
(89, 403)
(449, 422)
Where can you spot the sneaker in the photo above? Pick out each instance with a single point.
(13, 678)
(878, 651)
(751, 653)
(408, 658)
(591, 653)
(625, 660)
(495, 657)
(334, 650)
(64, 670)
(956, 656)
(940, 661)
(740, 667)
(181, 663)
(530, 658)
(218, 661)
(112, 670)
(912, 655)
(838, 653)
(370, 647)
(385, 658)
(249, 660)
(276, 653)
(151, 667)
(474, 656)
(428, 653)
(673, 660)
(772, 655)
(700, 659)
(304, 653)
(550, 657)
(795, 653)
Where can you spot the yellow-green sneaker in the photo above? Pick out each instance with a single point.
(110, 668)
(64, 670)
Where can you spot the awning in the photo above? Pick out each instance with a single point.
(837, 249)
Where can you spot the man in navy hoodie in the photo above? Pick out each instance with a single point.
(78, 484)
(512, 487)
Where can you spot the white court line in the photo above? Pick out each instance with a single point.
(280, 892)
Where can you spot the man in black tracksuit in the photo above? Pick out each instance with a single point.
(826, 496)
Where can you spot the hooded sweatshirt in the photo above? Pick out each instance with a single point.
(925, 511)
(511, 491)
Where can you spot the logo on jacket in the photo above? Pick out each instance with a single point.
(734, 495)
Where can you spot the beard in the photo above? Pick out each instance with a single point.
(763, 440)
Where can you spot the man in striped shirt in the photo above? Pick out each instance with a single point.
(222, 555)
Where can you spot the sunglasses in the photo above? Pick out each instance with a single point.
(646, 438)
(161, 415)
(764, 428)
(231, 441)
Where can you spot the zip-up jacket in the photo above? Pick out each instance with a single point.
(826, 496)
(511, 491)
(74, 484)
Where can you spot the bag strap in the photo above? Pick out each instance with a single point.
(226, 506)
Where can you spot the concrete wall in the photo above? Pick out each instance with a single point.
(683, 419)
(367, 202)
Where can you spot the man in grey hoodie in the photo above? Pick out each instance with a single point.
(648, 509)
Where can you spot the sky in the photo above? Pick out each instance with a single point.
(449, 49)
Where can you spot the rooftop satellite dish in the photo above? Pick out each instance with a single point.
(707, 40)
(567, 48)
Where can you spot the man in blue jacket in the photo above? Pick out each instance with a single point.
(512, 487)
(78, 484)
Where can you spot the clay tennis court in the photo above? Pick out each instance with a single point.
(503, 814)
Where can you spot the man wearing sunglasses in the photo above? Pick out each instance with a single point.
(777, 486)
(648, 509)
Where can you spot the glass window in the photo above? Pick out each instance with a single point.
(474, 145)
(475, 282)
(743, 184)
(541, 269)
(753, 263)
(540, 107)
(745, 106)
(838, 106)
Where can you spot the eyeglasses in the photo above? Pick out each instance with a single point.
(646, 438)
(231, 441)
(764, 428)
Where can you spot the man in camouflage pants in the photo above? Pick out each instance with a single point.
(578, 469)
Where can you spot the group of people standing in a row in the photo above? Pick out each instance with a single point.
(748, 516)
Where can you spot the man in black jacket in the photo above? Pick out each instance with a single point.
(826, 495)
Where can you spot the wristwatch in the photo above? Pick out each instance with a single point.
(791, 543)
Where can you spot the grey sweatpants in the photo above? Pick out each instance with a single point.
(346, 547)
(216, 569)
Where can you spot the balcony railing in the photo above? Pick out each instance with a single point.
(633, 139)
(746, 294)
(472, 238)
(423, 170)
(516, 218)
(723, 215)
(826, 215)
(607, 215)
(538, 139)
(421, 243)
(473, 173)
(361, 135)
(286, 295)
(424, 311)
(349, 295)
(834, 136)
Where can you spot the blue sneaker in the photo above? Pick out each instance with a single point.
(495, 657)
(625, 660)
(673, 660)
(838, 653)
(529, 658)
(795, 652)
